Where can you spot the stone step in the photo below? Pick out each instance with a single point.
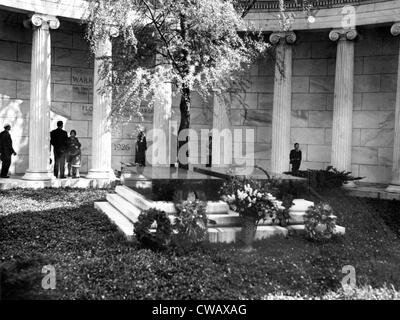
(296, 217)
(122, 223)
(216, 234)
(135, 198)
(233, 234)
(124, 207)
(224, 220)
(138, 200)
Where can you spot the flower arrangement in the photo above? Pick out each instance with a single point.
(159, 239)
(191, 220)
(250, 200)
(320, 223)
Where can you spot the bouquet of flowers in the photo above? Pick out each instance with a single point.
(254, 203)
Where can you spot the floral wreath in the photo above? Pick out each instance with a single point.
(163, 230)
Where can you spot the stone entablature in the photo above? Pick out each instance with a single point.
(327, 13)
(329, 16)
(72, 9)
(273, 5)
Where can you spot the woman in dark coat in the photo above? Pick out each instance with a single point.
(140, 149)
(74, 155)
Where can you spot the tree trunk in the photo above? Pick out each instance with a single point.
(183, 140)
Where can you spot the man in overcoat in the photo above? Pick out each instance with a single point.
(6, 151)
(59, 141)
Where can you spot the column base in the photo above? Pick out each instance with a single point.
(37, 176)
(100, 174)
(395, 188)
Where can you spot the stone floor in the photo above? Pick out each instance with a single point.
(163, 173)
(372, 190)
(16, 181)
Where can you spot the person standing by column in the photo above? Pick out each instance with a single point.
(140, 149)
(6, 151)
(295, 158)
(59, 141)
(74, 155)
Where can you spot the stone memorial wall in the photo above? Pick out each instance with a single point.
(313, 75)
(314, 56)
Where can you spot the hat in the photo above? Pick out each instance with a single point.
(7, 125)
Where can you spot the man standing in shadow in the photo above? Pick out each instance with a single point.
(59, 139)
(6, 150)
(295, 158)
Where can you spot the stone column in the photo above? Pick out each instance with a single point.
(343, 99)
(101, 123)
(395, 183)
(282, 103)
(39, 110)
(221, 150)
(161, 124)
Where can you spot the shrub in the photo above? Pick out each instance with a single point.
(190, 224)
(320, 223)
(324, 179)
(160, 237)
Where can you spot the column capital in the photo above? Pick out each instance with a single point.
(112, 31)
(343, 34)
(42, 20)
(395, 29)
(289, 37)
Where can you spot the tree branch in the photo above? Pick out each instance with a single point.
(250, 5)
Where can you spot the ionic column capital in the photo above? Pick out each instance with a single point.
(112, 31)
(289, 37)
(343, 34)
(395, 29)
(42, 21)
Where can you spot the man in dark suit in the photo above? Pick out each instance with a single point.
(295, 158)
(6, 151)
(59, 139)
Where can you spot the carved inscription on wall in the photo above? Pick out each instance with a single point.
(82, 77)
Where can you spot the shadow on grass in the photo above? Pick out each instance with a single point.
(93, 261)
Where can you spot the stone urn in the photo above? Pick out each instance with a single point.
(248, 232)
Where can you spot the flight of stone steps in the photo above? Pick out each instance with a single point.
(124, 207)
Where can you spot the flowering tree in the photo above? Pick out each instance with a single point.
(201, 45)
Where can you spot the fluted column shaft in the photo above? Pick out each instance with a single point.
(161, 126)
(343, 99)
(39, 111)
(395, 182)
(101, 123)
(221, 150)
(282, 101)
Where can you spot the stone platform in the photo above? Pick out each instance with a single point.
(252, 172)
(124, 207)
(162, 182)
(17, 182)
(372, 190)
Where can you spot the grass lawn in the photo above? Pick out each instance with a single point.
(93, 261)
